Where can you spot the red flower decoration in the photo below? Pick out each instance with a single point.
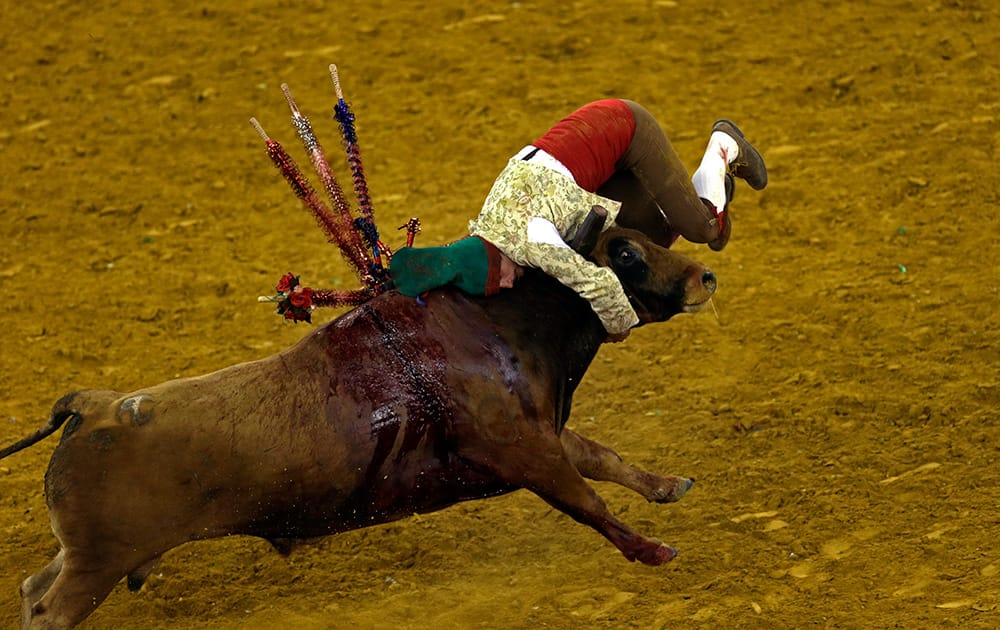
(295, 302)
(301, 297)
(288, 282)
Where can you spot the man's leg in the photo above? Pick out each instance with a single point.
(657, 195)
(727, 155)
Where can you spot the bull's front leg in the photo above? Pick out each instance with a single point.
(600, 463)
(540, 465)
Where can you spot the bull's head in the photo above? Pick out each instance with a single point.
(659, 282)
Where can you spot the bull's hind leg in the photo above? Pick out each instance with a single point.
(598, 462)
(33, 588)
(75, 592)
(544, 469)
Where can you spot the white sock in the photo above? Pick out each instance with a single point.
(710, 178)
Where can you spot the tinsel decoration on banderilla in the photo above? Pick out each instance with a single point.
(357, 237)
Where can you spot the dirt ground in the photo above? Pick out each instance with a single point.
(840, 416)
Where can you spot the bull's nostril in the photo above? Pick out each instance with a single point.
(708, 281)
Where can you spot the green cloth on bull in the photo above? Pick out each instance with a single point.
(471, 264)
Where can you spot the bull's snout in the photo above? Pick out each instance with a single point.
(700, 287)
(708, 281)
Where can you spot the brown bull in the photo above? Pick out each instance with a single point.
(395, 408)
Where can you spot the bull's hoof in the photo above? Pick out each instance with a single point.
(671, 490)
(658, 555)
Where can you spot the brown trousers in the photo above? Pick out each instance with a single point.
(655, 189)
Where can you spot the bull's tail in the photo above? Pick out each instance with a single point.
(61, 411)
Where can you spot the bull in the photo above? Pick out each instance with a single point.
(397, 407)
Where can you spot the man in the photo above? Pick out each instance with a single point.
(610, 153)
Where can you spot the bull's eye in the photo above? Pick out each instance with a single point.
(627, 257)
(628, 263)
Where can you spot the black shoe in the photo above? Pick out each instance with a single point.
(749, 164)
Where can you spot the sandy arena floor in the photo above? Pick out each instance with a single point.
(841, 418)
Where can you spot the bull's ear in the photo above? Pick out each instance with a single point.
(627, 260)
